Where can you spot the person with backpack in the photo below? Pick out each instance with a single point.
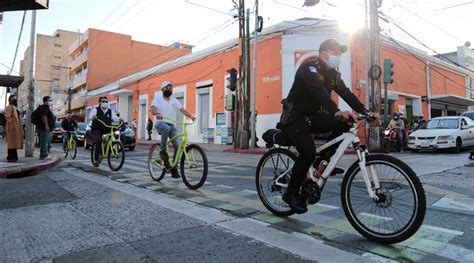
(44, 120)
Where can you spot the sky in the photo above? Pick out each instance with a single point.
(440, 25)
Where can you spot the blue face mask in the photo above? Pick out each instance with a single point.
(334, 61)
(104, 105)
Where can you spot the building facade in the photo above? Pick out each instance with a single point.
(423, 85)
(50, 69)
(97, 58)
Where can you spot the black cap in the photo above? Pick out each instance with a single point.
(332, 44)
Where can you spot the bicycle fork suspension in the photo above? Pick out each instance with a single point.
(368, 174)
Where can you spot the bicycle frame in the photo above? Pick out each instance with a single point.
(182, 145)
(346, 139)
(70, 139)
(105, 151)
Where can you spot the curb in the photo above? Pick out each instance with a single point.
(247, 151)
(56, 159)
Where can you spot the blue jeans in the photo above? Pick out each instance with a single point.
(400, 136)
(66, 137)
(45, 140)
(167, 130)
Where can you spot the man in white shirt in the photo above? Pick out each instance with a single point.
(165, 105)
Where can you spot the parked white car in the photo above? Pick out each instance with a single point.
(443, 133)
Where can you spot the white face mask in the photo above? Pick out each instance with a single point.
(104, 105)
(334, 61)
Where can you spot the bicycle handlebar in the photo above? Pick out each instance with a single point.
(111, 126)
(178, 122)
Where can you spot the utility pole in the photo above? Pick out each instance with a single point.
(246, 103)
(240, 107)
(29, 137)
(374, 138)
(254, 79)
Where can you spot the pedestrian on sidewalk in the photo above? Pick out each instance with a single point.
(149, 128)
(134, 125)
(45, 127)
(14, 129)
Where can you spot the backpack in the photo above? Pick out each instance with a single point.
(35, 117)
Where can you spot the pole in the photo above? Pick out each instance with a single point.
(366, 43)
(246, 95)
(242, 132)
(385, 106)
(254, 82)
(375, 138)
(29, 136)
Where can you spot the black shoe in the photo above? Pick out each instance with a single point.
(295, 202)
(175, 173)
(165, 158)
(337, 171)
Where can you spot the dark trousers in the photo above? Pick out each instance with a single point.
(149, 134)
(12, 155)
(299, 132)
(98, 142)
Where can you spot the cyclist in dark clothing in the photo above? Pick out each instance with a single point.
(310, 109)
(68, 125)
(107, 116)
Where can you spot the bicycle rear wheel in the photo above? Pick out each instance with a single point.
(73, 151)
(401, 205)
(116, 156)
(273, 164)
(156, 167)
(194, 168)
(94, 162)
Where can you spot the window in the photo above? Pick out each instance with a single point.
(57, 35)
(58, 45)
(57, 57)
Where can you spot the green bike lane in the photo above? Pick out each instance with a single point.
(230, 187)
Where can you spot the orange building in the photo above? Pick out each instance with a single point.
(99, 57)
(423, 85)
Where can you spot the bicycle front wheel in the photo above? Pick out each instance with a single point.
(272, 177)
(116, 156)
(400, 207)
(156, 167)
(194, 167)
(73, 151)
(66, 151)
(94, 162)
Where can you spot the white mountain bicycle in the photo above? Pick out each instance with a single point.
(382, 197)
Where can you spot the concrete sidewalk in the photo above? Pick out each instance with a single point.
(25, 165)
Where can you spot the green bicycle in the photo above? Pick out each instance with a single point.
(71, 146)
(193, 165)
(111, 147)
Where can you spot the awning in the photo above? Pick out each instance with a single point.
(121, 92)
(10, 81)
(452, 99)
(17, 5)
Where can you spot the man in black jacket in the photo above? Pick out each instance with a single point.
(68, 126)
(45, 127)
(313, 111)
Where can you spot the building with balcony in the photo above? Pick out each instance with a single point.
(50, 69)
(97, 58)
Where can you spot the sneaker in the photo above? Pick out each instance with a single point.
(295, 202)
(42, 157)
(337, 170)
(175, 173)
(165, 158)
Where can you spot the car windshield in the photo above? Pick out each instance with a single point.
(443, 124)
(82, 126)
(469, 114)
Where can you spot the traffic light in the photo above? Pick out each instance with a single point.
(232, 79)
(387, 71)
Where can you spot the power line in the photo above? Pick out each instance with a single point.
(10, 69)
(208, 8)
(423, 44)
(18, 43)
(437, 27)
(424, 63)
(453, 6)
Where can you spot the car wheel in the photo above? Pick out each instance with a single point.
(414, 150)
(458, 145)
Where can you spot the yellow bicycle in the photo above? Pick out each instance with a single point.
(193, 164)
(71, 145)
(111, 147)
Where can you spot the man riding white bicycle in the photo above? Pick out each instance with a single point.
(164, 105)
(310, 109)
